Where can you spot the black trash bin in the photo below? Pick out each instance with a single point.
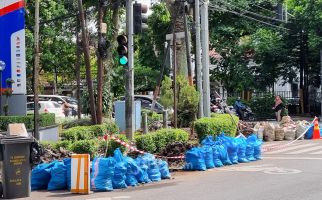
(15, 164)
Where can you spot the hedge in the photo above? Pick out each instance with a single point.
(77, 122)
(215, 125)
(89, 132)
(156, 141)
(85, 139)
(47, 119)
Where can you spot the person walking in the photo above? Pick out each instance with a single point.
(278, 107)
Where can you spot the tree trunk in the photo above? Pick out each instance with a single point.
(181, 62)
(77, 69)
(99, 65)
(87, 62)
(36, 72)
(109, 61)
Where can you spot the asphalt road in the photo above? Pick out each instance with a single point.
(291, 173)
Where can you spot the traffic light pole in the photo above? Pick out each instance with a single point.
(198, 58)
(129, 96)
(205, 58)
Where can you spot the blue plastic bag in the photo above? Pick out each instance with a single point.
(195, 160)
(216, 156)
(242, 144)
(209, 140)
(209, 157)
(120, 170)
(164, 169)
(153, 168)
(132, 170)
(258, 149)
(40, 176)
(142, 175)
(250, 147)
(309, 133)
(223, 154)
(231, 146)
(58, 180)
(102, 174)
(68, 164)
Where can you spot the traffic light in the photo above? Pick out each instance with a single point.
(122, 49)
(139, 17)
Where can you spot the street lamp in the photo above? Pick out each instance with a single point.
(2, 67)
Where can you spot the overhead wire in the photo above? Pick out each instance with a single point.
(217, 8)
(250, 12)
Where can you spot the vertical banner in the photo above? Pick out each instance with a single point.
(12, 44)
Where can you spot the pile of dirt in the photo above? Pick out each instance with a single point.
(49, 154)
(176, 149)
(246, 128)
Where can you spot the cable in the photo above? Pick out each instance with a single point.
(250, 12)
(241, 15)
(262, 8)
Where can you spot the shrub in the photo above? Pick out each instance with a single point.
(158, 140)
(47, 119)
(215, 125)
(112, 145)
(85, 146)
(145, 143)
(262, 106)
(66, 144)
(188, 99)
(77, 122)
(90, 132)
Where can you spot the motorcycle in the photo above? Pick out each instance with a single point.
(248, 114)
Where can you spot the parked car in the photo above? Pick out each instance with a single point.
(46, 107)
(146, 102)
(56, 98)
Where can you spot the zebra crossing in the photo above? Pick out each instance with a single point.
(303, 147)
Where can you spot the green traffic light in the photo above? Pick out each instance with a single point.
(123, 60)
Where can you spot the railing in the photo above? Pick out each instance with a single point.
(284, 94)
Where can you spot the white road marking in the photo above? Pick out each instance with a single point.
(306, 150)
(122, 197)
(316, 153)
(266, 168)
(291, 158)
(101, 198)
(290, 148)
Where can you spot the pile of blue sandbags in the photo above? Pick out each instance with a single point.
(224, 150)
(117, 172)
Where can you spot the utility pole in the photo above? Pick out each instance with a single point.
(87, 61)
(205, 58)
(36, 72)
(187, 41)
(198, 58)
(129, 96)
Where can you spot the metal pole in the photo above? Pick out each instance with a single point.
(145, 123)
(198, 58)
(174, 69)
(205, 58)
(165, 119)
(129, 96)
(0, 92)
(36, 75)
(187, 41)
(321, 79)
